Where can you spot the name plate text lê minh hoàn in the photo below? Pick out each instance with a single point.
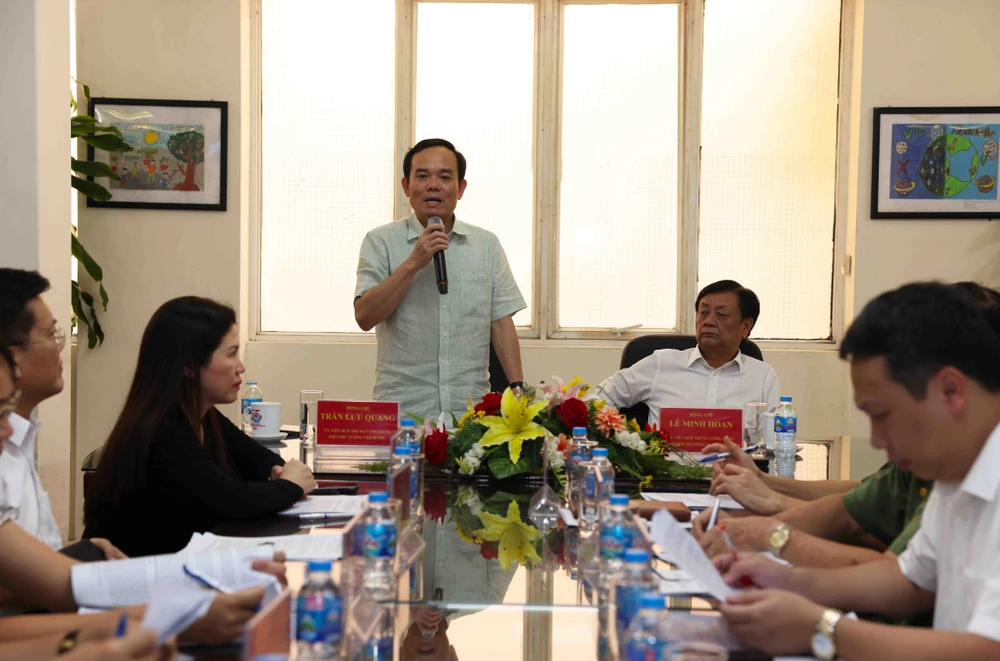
(691, 429)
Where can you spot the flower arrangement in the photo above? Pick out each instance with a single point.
(503, 434)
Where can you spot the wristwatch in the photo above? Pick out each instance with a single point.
(519, 384)
(778, 539)
(67, 643)
(823, 646)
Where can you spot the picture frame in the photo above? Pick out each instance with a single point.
(179, 155)
(935, 162)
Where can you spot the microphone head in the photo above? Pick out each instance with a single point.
(434, 220)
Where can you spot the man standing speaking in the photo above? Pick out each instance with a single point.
(434, 347)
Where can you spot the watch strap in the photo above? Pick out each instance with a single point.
(68, 642)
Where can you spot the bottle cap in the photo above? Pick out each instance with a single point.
(251, 383)
(406, 422)
(619, 499)
(378, 497)
(271, 657)
(403, 450)
(637, 555)
(579, 431)
(599, 452)
(786, 398)
(652, 600)
(320, 565)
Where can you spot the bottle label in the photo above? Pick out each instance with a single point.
(247, 401)
(784, 424)
(615, 539)
(333, 628)
(590, 485)
(607, 487)
(312, 614)
(414, 484)
(578, 455)
(627, 606)
(646, 651)
(378, 650)
(380, 540)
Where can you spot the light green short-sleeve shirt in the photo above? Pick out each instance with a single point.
(434, 350)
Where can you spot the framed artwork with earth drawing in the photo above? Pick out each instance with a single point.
(178, 156)
(935, 162)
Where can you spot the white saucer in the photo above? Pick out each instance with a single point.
(272, 438)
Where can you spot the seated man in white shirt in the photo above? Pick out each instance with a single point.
(715, 374)
(29, 330)
(925, 366)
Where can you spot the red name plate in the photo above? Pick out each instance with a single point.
(692, 429)
(356, 423)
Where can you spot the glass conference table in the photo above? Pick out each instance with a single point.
(520, 596)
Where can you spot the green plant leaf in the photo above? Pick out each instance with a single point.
(93, 169)
(95, 324)
(81, 315)
(502, 467)
(82, 119)
(93, 269)
(80, 130)
(104, 295)
(107, 142)
(91, 189)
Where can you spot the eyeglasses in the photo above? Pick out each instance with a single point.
(8, 408)
(58, 335)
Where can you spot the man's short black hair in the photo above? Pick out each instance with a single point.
(427, 144)
(923, 327)
(987, 299)
(17, 289)
(749, 303)
(7, 358)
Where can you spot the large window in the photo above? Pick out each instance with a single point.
(624, 154)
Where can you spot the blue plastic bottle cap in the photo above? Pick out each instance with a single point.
(786, 398)
(251, 383)
(599, 452)
(378, 497)
(619, 499)
(637, 555)
(579, 431)
(651, 600)
(320, 565)
(406, 422)
(404, 450)
(271, 657)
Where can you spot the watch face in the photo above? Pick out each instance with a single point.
(822, 646)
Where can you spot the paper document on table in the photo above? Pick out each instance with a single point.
(678, 582)
(693, 500)
(707, 628)
(347, 505)
(296, 547)
(174, 608)
(112, 584)
(683, 550)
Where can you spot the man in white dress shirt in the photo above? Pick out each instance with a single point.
(925, 364)
(29, 330)
(715, 374)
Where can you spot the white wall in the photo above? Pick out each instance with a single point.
(35, 196)
(199, 49)
(184, 49)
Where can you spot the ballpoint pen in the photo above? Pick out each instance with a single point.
(325, 516)
(723, 455)
(744, 580)
(715, 514)
(206, 581)
(122, 625)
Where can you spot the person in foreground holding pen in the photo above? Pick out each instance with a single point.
(925, 365)
(173, 464)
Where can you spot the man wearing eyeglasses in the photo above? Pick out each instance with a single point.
(28, 328)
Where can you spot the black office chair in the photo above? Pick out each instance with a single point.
(641, 347)
(498, 378)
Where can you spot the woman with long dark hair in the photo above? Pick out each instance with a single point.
(173, 465)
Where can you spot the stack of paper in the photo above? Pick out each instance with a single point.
(347, 505)
(175, 608)
(296, 547)
(694, 500)
(680, 548)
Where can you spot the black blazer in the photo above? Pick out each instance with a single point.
(188, 492)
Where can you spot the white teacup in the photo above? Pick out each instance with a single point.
(264, 418)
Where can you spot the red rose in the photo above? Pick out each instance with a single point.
(436, 447)
(436, 502)
(489, 550)
(490, 404)
(574, 413)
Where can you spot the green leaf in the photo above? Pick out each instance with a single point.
(91, 189)
(93, 269)
(93, 169)
(82, 119)
(107, 142)
(104, 295)
(86, 91)
(81, 315)
(80, 130)
(502, 467)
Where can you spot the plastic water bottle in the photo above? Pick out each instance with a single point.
(408, 435)
(645, 639)
(319, 611)
(579, 451)
(784, 428)
(401, 458)
(380, 645)
(615, 536)
(599, 457)
(251, 395)
(635, 580)
(379, 547)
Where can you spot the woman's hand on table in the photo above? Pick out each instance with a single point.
(298, 473)
(274, 567)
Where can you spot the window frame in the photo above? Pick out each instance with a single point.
(544, 329)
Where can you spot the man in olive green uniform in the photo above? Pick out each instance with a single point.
(887, 505)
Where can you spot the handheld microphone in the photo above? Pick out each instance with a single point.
(440, 265)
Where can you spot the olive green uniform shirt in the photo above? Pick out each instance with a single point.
(887, 505)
